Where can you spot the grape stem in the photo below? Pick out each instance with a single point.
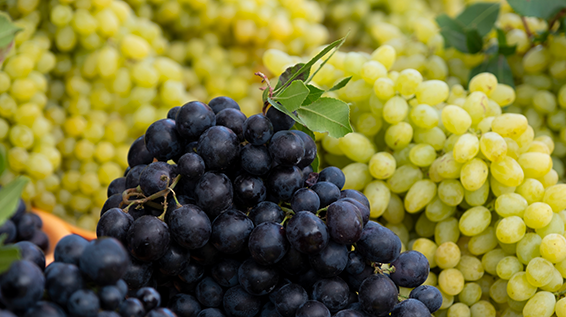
(559, 294)
(402, 297)
(321, 210)
(149, 200)
(527, 30)
(288, 211)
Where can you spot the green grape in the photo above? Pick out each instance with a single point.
(435, 137)
(384, 88)
(451, 281)
(419, 195)
(422, 155)
(466, 148)
(474, 221)
(395, 110)
(560, 307)
(447, 255)
(475, 197)
(476, 105)
(483, 242)
(510, 204)
(539, 271)
(491, 259)
(471, 268)
(372, 70)
(519, 288)
(448, 167)
(483, 82)
(498, 291)
(508, 172)
(532, 190)
(378, 195)
(508, 266)
(455, 119)
(385, 54)
(432, 92)
(403, 178)
(556, 225)
(357, 176)
(357, 147)
(382, 165)
(493, 146)
(553, 247)
(450, 192)
(459, 310)
(537, 215)
(541, 304)
(395, 212)
(398, 135)
(555, 197)
(424, 116)
(437, 210)
(556, 283)
(510, 229)
(470, 294)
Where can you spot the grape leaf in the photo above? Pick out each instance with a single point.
(453, 32)
(10, 197)
(293, 96)
(498, 66)
(474, 41)
(544, 9)
(8, 30)
(502, 46)
(327, 115)
(293, 71)
(341, 84)
(316, 163)
(282, 108)
(8, 254)
(480, 16)
(314, 94)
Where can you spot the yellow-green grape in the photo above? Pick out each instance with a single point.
(544, 102)
(382, 165)
(525, 139)
(513, 149)
(503, 95)
(516, 306)
(450, 142)
(437, 210)
(529, 247)
(539, 272)
(403, 178)
(542, 304)
(508, 172)
(384, 88)
(422, 155)
(134, 47)
(491, 259)
(450, 192)
(395, 211)
(532, 190)
(408, 81)
(483, 242)
(510, 229)
(482, 308)
(476, 105)
(447, 255)
(356, 147)
(447, 230)
(432, 92)
(560, 307)
(473, 174)
(470, 294)
(537, 215)
(471, 268)
(483, 82)
(427, 248)
(477, 197)
(458, 310)
(17, 159)
(369, 124)
(498, 291)
(466, 148)
(474, 221)
(385, 54)
(378, 195)
(556, 225)
(39, 166)
(419, 195)
(554, 197)
(455, 119)
(510, 125)
(451, 281)
(510, 204)
(519, 288)
(535, 164)
(508, 266)
(447, 300)
(540, 147)
(372, 70)
(357, 90)
(434, 137)
(395, 110)
(553, 247)
(424, 116)
(493, 146)
(448, 167)
(398, 135)
(357, 176)
(353, 62)
(331, 145)
(549, 179)
(401, 231)
(536, 59)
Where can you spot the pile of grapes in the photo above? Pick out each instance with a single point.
(222, 215)
(24, 229)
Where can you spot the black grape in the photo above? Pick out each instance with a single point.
(148, 238)
(268, 243)
(40, 309)
(31, 252)
(138, 153)
(428, 295)
(209, 293)
(131, 307)
(410, 307)
(193, 119)
(350, 313)
(257, 279)
(184, 305)
(327, 192)
(289, 298)
(61, 281)
(334, 293)
(279, 120)
(286, 148)
(211, 312)
(191, 165)
(293, 262)
(114, 223)
(258, 129)
(233, 119)
(356, 263)
(192, 273)
(220, 103)
(266, 211)
(359, 207)
(117, 186)
(352, 193)
(172, 113)
(219, 148)
(8, 229)
(313, 308)
(133, 176)
(249, 190)
(214, 193)
(344, 223)
(310, 149)
(190, 226)
(307, 233)
(138, 273)
(283, 181)
(83, 303)
(333, 175)
(149, 297)
(255, 159)
(378, 295)
(331, 261)
(105, 261)
(69, 249)
(411, 269)
(305, 199)
(230, 231)
(225, 272)
(378, 243)
(110, 297)
(238, 303)
(174, 260)
(162, 140)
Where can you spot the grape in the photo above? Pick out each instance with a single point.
(331, 261)
(210, 312)
(283, 181)
(249, 190)
(255, 159)
(61, 281)
(230, 231)
(266, 211)
(411, 269)
(344, 223)
(379, 244)
(287, 148)
(428, 295)
(193, 119)
(138, 153)
(378, 295)
(131, 307)
(233, 119)
(313, 308)
(148, 238)
(162, 140)
(258, 129)
(307, 233)
(410, 306)
(209, 293)
(190, 227)
(225, 272)
(268, 243)
(174, 260)
(327, 192)
(218, 147)
(191, 165)
(332, 292)
(213, 193)
(237, 302)
(221, 103)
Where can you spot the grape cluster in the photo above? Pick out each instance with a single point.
(24, 229)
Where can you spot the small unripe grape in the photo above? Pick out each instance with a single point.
(382, 165)
(422, 155)
(474, 174)
(384, 88)
(424, 116)
(466, 148)
(408, 81)
(484, 82)
(432, 92)
(455, 119)
(395, 110)
(493, 146)
(385, 54)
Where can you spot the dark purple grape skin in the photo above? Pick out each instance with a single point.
(293, 262)
(334, 293)
(138, 153)
(378, 295)
(378, 244)
(61, 281)
(193, 119)
(8, 229)
(307, 233)
(40, 239)
(219, 148)
(133, 176)
(20, 211)
(191, 165)
(361, 209)
(279, 120)
(155, 177)
(344, 223)
(114, 201)
(331, 261)
(286, 148)
(312, 308)
(255, 159)
(233, 119)
(131, 307)
(117, 186)
(356, 263)
(354, 194)
(308, 279)
(220, 103)
(172, 113)
(310, 149)
(211, 312)
(238, 303)
(207, 255)
(257, 279)
(149, 297)
(225, 272)
(258, 129)
(289, 298)
(410, 307)
(114, 223)
(333, 175)
(31, 252)
(21, 285)
(148, 238)
(214, 193)
(268, 310)
(110, 297)
(40, 309)
(69, 249)
(184, 305)
(249, 190)
(268, 243)
(230, 231)
(83, 303)
(104, 261)
(430, 296)
(174, 260)
(26, 226)
(209, 293)
(327, 192)
(350, 313)
(411, 269)
(192, 273)
(138, 273)
(266, 211)
(190, 227)
(305, 199)
(283, 181)
(355, 280)
(162, 140)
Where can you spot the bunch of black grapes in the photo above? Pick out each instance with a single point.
(223, 216)
(24, 228)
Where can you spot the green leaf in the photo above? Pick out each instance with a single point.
(474, 41)
(281, 108)
(291, 73)
(498, 66)
(480, 16)
(453, 32)
(3, 160)
(507, 50)
(10, 197)
(501, 38)
(8, 254)
(8, 30)
(544, 9)
(314, 94)
(503, 48)
(293, 96)
(327, 115)
(340, 84)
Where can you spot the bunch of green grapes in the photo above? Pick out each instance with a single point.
(470, 187)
